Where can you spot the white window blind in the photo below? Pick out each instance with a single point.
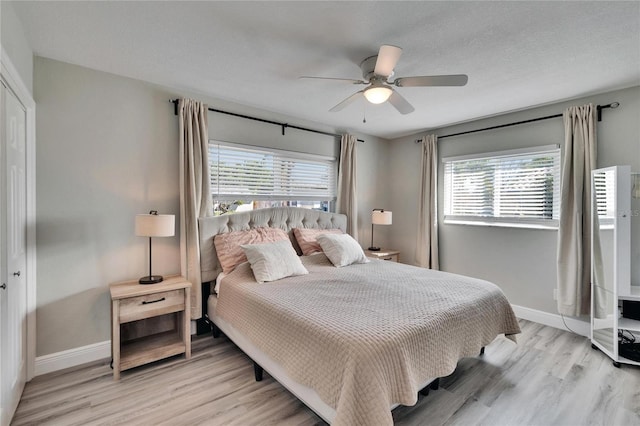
(604, 187)
(249, 173)
(516, 187)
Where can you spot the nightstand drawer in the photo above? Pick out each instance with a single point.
(384, 254)
(151, 305)
(391, 257)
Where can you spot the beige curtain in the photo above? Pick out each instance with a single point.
(427, 241)
(574, 232)
(195, 193)
(347, 200)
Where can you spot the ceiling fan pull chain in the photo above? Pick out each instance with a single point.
(364, 112)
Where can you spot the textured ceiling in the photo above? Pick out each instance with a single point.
(517, 54)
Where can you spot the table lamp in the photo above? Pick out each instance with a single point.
(154, 225)
(379, 217)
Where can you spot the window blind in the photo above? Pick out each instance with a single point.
(249, 173)
(604, 187)
(520, 187)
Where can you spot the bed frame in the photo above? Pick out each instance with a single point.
(285, 218)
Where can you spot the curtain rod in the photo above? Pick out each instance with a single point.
(284, 126)
(599, 108)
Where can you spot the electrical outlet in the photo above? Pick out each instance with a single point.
(555, 294)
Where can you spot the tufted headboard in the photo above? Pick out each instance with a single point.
(285, 218)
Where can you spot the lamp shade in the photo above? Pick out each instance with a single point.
(383, 217)
(155, 225)
(377, 94)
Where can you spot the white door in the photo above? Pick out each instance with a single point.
(13, 292)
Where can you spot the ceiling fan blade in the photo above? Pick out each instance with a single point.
(432, 80)
(387, 59)
(400, 103)
(342, 105)
(351, 80)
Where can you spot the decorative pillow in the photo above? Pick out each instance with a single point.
(273, 261)
(342, 250)
(230, 253)
(306, 238)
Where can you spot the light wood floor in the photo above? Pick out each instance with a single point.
(550, 377)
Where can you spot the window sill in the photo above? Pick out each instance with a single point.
(550, 227)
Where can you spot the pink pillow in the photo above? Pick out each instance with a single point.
(230, 254)
(306, 238)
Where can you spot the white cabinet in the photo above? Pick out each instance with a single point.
(611, 261)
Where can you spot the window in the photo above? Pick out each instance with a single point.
(246, 178)
(508, 188)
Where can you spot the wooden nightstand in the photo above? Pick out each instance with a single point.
(383, 254)
(149, 322)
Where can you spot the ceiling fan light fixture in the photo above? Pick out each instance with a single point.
(377, 94)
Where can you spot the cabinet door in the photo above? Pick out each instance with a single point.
(610, 252)
(13, 302)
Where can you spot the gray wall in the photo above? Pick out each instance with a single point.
(107, 150)
(521, 261)
(15, 43)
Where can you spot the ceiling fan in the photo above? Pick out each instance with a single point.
(377, 73)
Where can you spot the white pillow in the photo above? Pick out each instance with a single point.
(341, 249)
(273, 261)
(219, 278)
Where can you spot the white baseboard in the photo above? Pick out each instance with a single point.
(576, 325)
(72, 357)
(101, 350)
(78, 356)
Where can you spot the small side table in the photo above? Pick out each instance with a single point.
(383, 254)
(132, 305)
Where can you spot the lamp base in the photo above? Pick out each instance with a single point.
(153, 279)
(374, 249)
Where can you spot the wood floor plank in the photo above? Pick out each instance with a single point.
(551, 377)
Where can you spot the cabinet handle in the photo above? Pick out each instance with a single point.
(16, 274)
(144, 302)
(3, 286)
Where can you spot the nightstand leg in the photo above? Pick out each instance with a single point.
(115, 338)
(186, 334)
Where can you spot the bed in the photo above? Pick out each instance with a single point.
(351, 342)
